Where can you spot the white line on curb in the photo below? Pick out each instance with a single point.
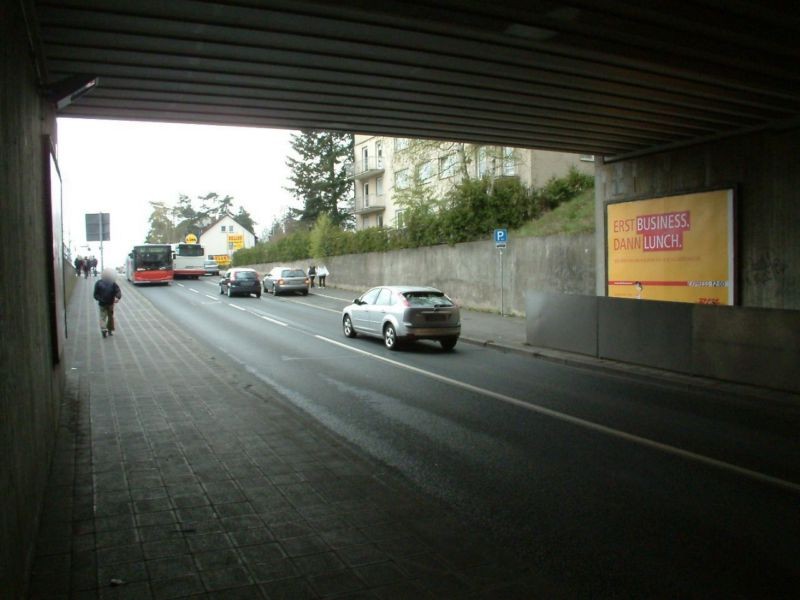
(629, 437)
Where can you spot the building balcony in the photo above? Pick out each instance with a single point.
(361, 169)
(370, 204)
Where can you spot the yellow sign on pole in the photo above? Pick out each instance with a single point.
(676, 248)
(190, 238)
(235, 241)
(223, 260)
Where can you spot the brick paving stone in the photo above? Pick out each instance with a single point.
(168, 477)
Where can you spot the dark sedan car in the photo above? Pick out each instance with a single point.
(240, 282)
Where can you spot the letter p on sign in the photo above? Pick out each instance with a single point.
(500, 237)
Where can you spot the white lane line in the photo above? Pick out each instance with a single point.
(179, 284)
(333, 310)
(193, 290)
(210, 296)
(237, 307)
(281, 323)
(648, 443)
(332, 298)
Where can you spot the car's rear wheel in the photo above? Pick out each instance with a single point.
(448, 343)
(221, 291)
(274, 290)
(347, 327)
(390, 337)
(258, 294)
(305, 292)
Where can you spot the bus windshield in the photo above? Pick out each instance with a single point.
(152, 258)
(189, 250)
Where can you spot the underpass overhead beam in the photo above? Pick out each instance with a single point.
(602, 77)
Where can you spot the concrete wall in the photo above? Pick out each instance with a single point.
(746, 345)
(30, 385)
(470, 272)
(764, 167)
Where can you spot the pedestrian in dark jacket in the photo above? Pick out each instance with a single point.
(312, 273)
(107, 294)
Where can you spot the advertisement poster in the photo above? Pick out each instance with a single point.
(235, 241)
(675, 248)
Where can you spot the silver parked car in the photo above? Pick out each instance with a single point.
(404, 313)
(286, 279)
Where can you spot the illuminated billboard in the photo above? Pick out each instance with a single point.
(675, 248)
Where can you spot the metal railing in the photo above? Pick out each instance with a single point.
(359, 168)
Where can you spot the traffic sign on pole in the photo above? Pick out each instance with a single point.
(500, 238)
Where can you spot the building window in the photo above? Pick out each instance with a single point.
(509, 162)
(365, 194)
(400, 144)
(379, 186)
(427, 170)
(222, 229)
(448, 165)
(380, 220)
(379, 154)
(399, 222)
(364, 158)
(587, 157)
(401, 179)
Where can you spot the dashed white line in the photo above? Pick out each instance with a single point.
(332, 298)
(610, 431)
(237, 307)
(275, 321)
(210, 296)
(338, 312)
(193, 290)
(179, 284)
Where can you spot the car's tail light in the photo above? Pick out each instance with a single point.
(308, 281)
(280, 281)
(403, 300)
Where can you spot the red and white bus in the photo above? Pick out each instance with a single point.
(188, 259)
(150, 263)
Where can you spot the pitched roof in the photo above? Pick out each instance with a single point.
(234, 219)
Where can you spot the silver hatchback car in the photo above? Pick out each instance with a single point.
(286, 279)
(404, 313)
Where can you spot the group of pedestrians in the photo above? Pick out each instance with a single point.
(85, 265)
(320, 272)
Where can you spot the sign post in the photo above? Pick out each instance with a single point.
(98, 229)
(500, 242)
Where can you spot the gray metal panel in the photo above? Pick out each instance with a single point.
(562, 322)
(655, 334)
(748, 345)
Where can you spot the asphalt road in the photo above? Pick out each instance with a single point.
(610, 486)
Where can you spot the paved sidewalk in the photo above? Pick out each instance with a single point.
(177, 475)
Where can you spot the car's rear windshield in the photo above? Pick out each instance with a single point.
(246, 275)
(427, 299)
(292, 273)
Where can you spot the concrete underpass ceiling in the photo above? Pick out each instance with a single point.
(606, 77)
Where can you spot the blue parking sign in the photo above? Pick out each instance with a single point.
(500, 237)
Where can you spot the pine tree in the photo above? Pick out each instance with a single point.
(245, 219)
(319, 178)
(162, 230)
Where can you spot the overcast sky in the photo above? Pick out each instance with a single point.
(120, 166)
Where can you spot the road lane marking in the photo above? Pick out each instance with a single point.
(193, 290)
(332, 298)
(237, 307)
(333, 310)
(281, 323)
(617, 433)
(210, 296)
(179, 284)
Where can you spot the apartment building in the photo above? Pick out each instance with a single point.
(384, 167)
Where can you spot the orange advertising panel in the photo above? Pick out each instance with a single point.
(676, 248)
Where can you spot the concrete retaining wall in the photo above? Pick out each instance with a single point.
(30, 385)
(746, 345)
(470, 272)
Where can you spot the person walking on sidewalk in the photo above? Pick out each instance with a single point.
(312, 272)
(107, 294)
(322, 273)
